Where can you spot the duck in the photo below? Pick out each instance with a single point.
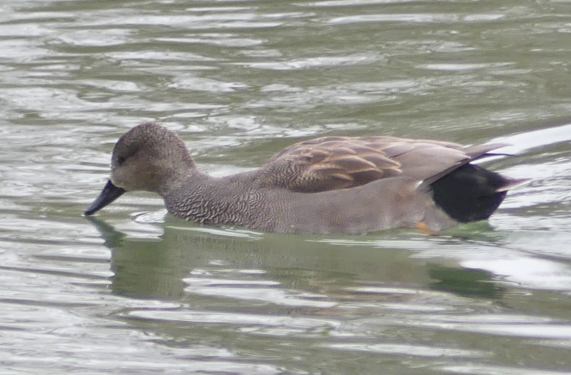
(331, 184)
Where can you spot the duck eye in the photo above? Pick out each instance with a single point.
(120, 160)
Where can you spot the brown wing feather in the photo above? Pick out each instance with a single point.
(330, 163)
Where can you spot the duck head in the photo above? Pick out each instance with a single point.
(148, 157)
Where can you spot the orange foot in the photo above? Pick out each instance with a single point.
(425, 229)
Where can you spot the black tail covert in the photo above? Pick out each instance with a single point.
(469, 193)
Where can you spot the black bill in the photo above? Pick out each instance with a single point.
(109, 193)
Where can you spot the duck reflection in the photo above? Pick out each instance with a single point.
(176, 264)
(464, 282)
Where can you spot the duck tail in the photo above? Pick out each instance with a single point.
(472, 193)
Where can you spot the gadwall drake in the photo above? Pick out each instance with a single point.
(323, 185)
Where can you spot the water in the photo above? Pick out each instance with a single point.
(135, 291)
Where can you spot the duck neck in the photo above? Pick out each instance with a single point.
(210, 200)
(178, 178)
